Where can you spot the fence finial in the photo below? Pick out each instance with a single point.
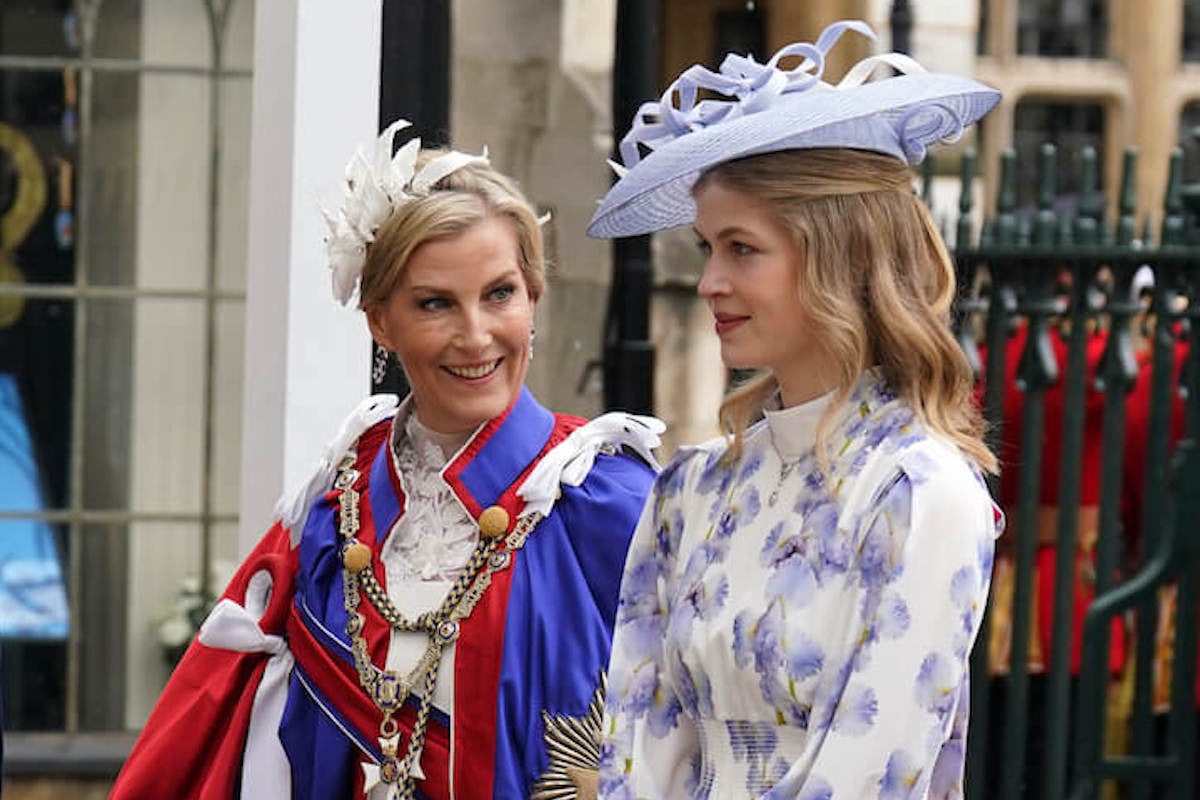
(927, 183)
(1126, 222)
(965, 201)
(1174, 225)
(1047, 221)
(1091, 204)
(1006, 199)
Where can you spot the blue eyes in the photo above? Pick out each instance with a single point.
(500, 294)
(737, 248)
(433, 304)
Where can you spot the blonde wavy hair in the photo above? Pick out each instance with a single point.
(458, 201)
(876, 287)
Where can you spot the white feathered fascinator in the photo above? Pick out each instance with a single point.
(377, 183)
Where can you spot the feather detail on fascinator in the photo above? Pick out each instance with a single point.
(376, 184)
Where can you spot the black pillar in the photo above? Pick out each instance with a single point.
(628, 352)
(414, 68)
(901, 23)
(414, 84)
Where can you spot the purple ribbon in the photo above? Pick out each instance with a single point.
(753, 87)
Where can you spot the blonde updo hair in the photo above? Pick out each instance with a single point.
(458, 201)
(876, 286)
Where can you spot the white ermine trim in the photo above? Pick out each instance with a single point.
(570, 462)
(292, 509)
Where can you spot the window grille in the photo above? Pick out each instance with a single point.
(121, 316)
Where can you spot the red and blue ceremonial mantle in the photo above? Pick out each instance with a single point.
(536, 642)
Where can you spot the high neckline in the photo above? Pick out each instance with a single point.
(446, 443)
(793, 429)
(434, 538)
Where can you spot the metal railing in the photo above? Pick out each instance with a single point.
(1064, 286)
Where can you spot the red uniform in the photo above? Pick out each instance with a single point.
(1048, 507)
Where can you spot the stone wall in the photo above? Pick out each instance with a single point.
(531, 82)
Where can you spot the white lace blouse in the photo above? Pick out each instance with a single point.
(430, 543)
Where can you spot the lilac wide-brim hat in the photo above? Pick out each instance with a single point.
(776, 109)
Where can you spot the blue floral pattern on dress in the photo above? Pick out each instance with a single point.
(900, 778)
(799, 627)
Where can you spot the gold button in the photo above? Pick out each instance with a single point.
(357, 557)
(493, 522)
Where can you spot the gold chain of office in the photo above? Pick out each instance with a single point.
(386, 688)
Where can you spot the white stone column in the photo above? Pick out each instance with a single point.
(316, 98)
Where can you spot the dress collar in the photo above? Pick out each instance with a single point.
(481, 472)
(793, 429)
(427, 440)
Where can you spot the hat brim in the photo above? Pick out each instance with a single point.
(898, 116)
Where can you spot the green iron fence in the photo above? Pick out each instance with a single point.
(1051, 316)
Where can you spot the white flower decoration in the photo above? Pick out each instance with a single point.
(378, 183)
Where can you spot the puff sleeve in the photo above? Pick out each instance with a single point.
(891, 721)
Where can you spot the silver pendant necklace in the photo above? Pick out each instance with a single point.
(785, 469)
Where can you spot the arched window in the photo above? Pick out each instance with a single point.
(1063, 28)
(1070, 126)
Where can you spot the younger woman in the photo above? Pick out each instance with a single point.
(802, 595)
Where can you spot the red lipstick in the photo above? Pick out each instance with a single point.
(727, 322)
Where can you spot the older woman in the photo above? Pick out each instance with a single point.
(802, 595)
(431, 615)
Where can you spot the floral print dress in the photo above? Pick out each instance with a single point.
(788, 631)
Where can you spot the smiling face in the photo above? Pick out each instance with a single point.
(459, 322)
(750, 286)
